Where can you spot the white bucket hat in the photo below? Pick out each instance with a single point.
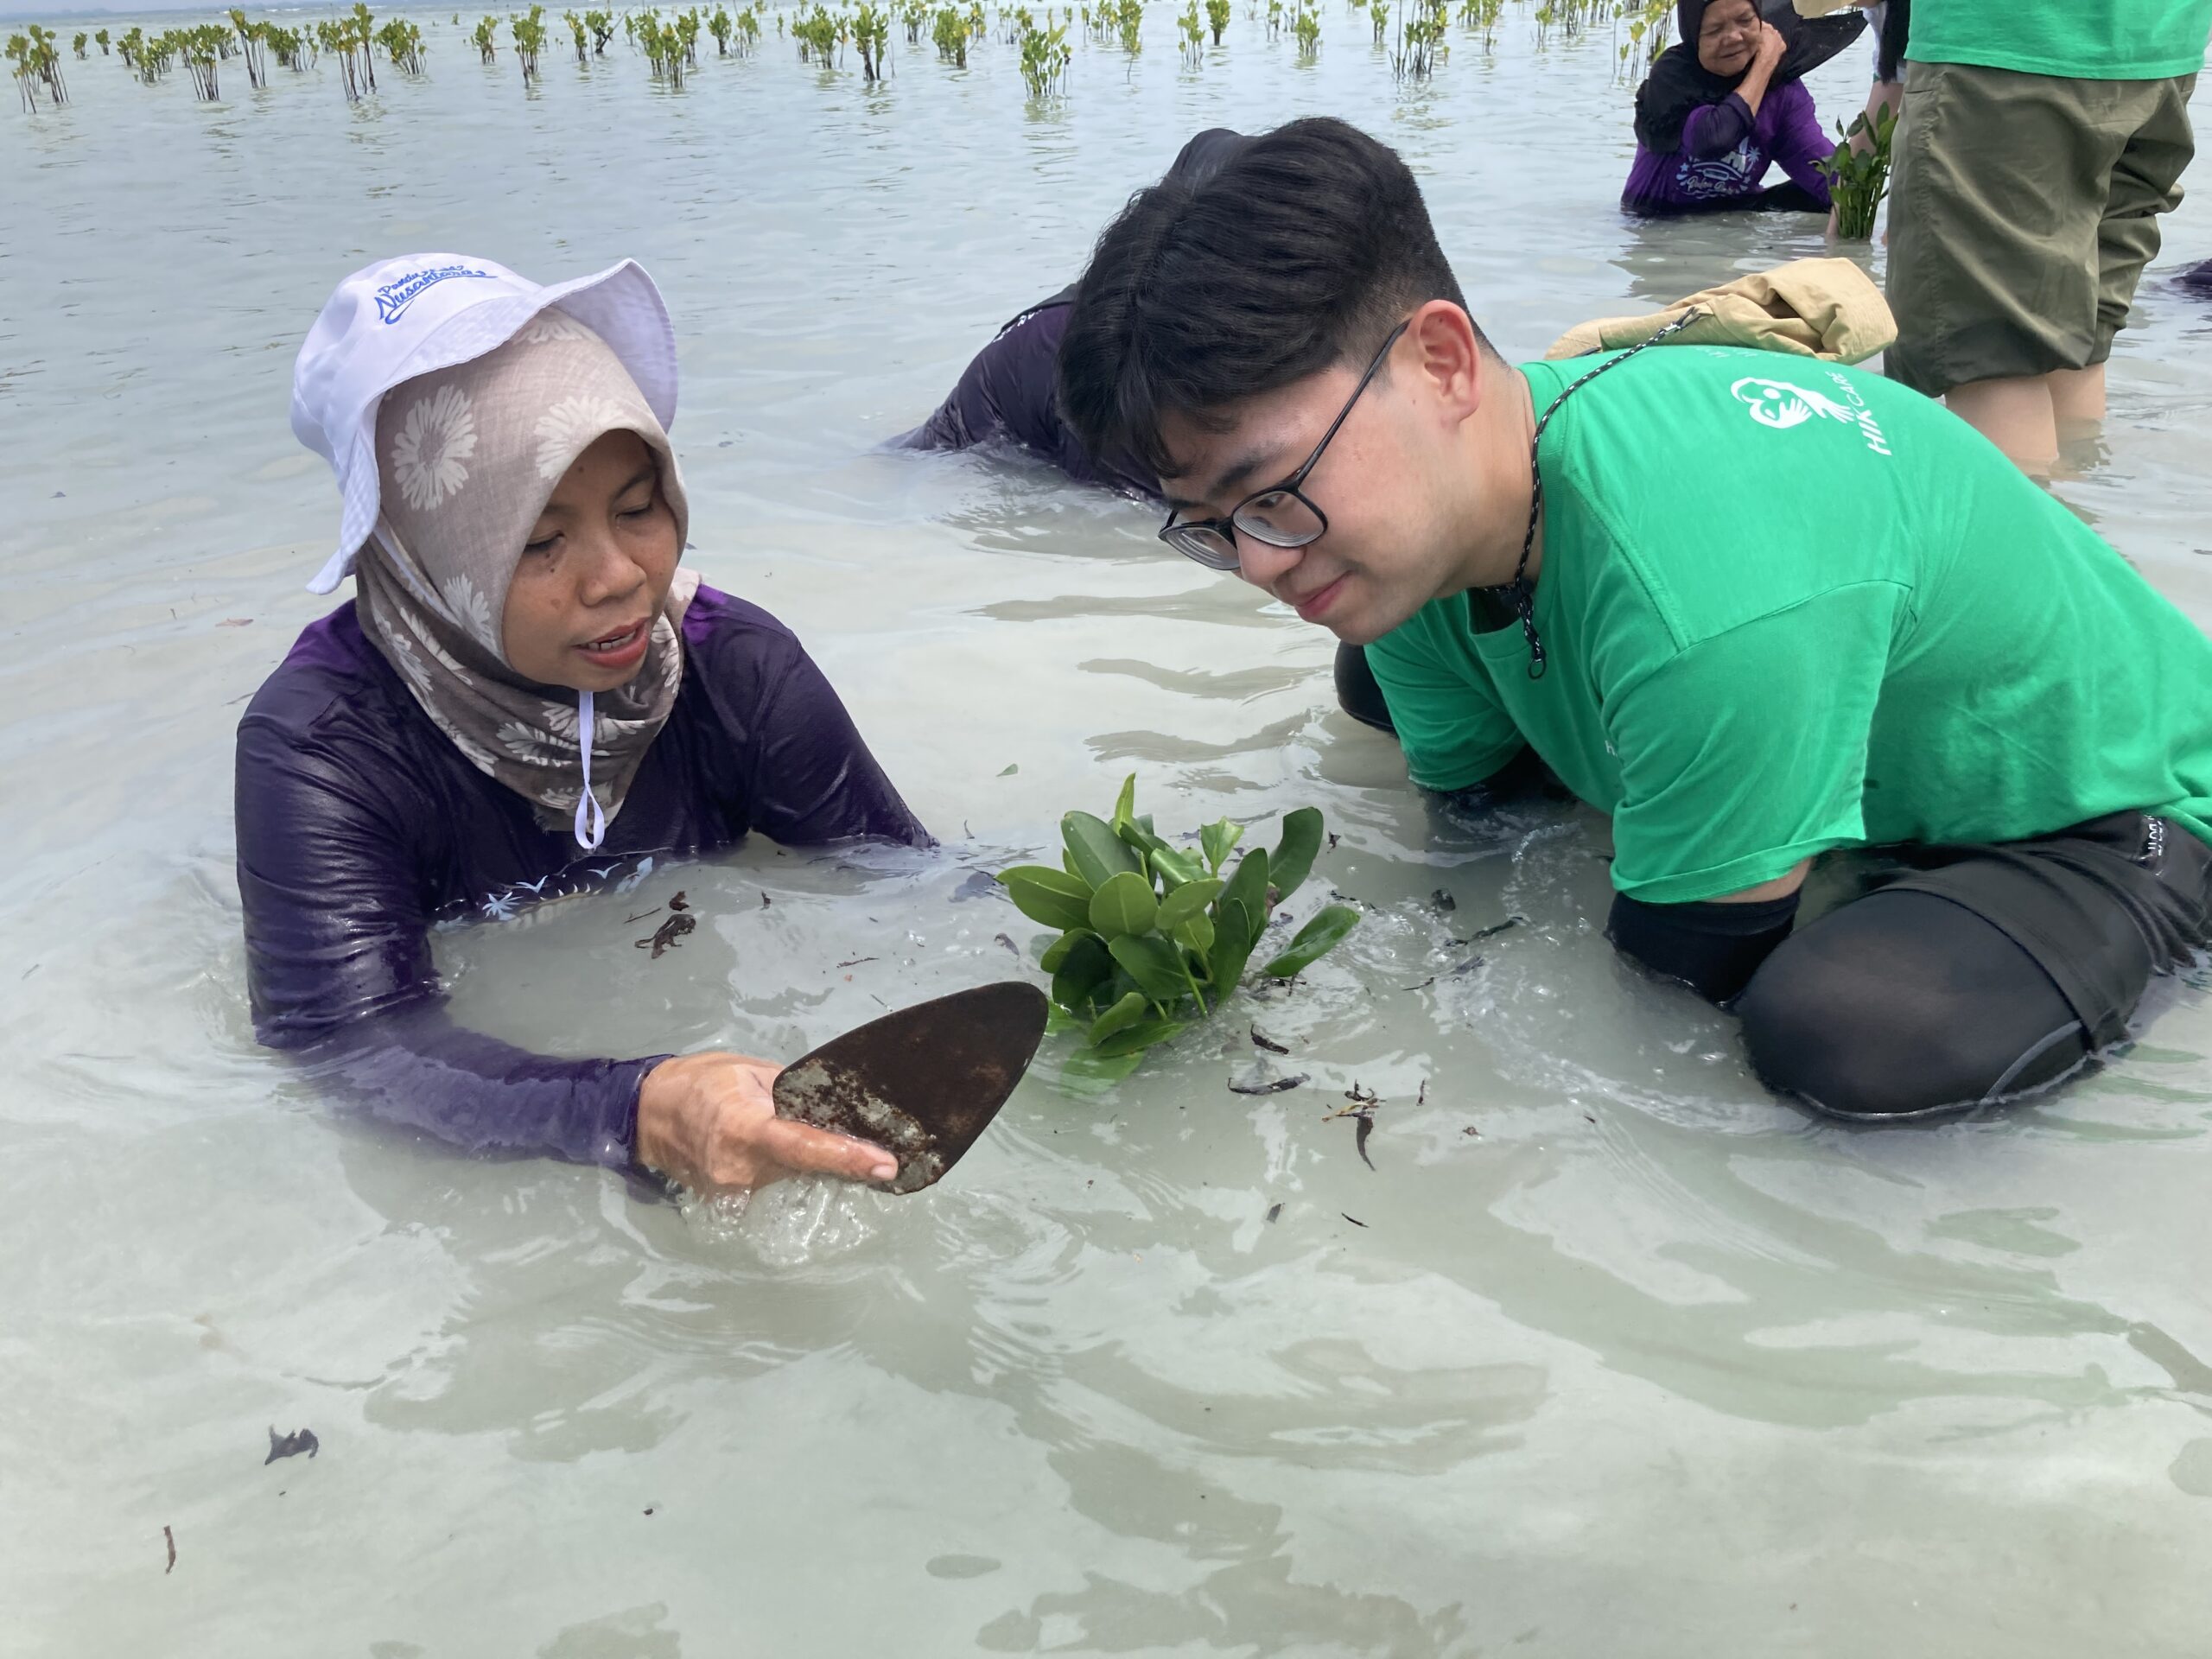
(398, 318)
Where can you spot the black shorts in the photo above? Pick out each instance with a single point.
(1961, 976)
(2101, 907)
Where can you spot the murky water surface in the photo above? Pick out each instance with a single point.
(1609, 1353)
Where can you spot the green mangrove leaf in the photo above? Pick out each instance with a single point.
(1137, 1039)
(1085, 968)
(1097, 852)
(1137, 836)
(1185, 901)
(1294, 860)
(1153, 963)
(1217, 840)
(1232, 946)
(1249, 887)
(1123, 1014)
(1197, 934)
(1124, 904)
(1125, 807)
(1043, 894)
(1314, 941)
(1057, 951)
(1175, 866)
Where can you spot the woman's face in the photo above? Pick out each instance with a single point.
(1729, 36)
(598, 564)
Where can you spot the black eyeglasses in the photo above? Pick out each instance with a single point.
(1279, 516)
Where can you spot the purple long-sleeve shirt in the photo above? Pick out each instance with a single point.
(360, 825)
(1726, 150)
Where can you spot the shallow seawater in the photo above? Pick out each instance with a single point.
(1608, 1354)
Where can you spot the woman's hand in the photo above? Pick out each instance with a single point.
(1766, 58)
(1772, 48)
(709, 1121)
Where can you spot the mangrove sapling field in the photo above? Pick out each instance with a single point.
(1411, 40)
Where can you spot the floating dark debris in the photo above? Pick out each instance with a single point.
(667, 933)
(1003, 940)
(1270, 1086)
(764, 901)
(290, 1445)
(169, 1538)
(1273, 1211)
(1355, 1220)
(1261, 1039)
(856, 961)
(1360, 1138)
(1442, 900)
(1496, 927)
(677, 901)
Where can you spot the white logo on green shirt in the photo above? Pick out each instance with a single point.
(1783, 404)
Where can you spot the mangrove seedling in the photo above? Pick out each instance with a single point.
(1216, 18)
(1192, 32)
(818, 34)
(1045, 55)
(402, 43)
(1129, 20)
(601, 24)
(487, 38)
(1306, 29)
(82, 40)
(719, 25)
(950, 35)
(364, 33)
(100, 40)
(1859, 178)
(529, 31)
(871, 33)
(1153, 937)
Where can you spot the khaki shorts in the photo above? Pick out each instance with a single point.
(2025, 209)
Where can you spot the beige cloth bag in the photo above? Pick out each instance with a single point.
(1827, 309)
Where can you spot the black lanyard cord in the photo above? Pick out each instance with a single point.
(1520, 594)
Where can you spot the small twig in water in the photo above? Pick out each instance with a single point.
(1260, 1040)
(170, 1538)
(856, 961)
(1273, 1086)
(640, 916)
(1355, 1220)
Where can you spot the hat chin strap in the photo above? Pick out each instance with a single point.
(587, 806)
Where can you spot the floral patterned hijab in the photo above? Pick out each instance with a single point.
(466, 459)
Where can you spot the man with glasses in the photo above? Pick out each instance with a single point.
(1755, 608)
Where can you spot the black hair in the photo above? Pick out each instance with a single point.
(1303, 251)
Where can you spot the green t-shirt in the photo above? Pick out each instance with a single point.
(1790, 608)
(2086, 40)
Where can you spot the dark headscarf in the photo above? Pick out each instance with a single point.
(1679, 86)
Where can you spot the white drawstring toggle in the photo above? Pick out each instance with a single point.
(587, 803)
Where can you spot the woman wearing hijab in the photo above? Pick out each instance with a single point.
(1718, 109)
(527, 697)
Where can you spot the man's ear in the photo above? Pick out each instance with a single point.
(1454, 372)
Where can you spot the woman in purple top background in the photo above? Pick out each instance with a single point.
(527, 698)
(1720, 109)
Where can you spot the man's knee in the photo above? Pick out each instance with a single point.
(1869, 1017)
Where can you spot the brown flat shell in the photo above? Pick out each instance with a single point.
(924, 1082)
